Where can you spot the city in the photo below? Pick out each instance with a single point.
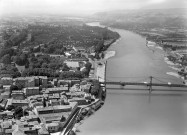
(93, 67)
(50, 69)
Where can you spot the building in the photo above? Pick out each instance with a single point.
(79, 49)
(22, 81)
(78, 94)
(6, 87)
(30, 118)
(56, 56)
(3, 103)
(43, 130)
(5, 95)
(59, 113)
(53, 127)
(6, 114)
(80, 101)
(73, 64)
(78, 59)
(2, 115)
(53, 96)
(56, 90)
(73, 82)
(53, 109)
(6, 125)
(18, 95)
(10, 114)
(1, 65)
(31, 81)
(86, 88)
(29, 91)
(63, 83)
(18, 131)
(19, 103)
(36, 104)
(6, 81)
(55, 102)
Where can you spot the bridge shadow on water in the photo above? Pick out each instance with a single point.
(144, 91)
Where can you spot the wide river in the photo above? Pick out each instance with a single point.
(133, 111)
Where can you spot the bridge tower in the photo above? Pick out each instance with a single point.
(150, 84)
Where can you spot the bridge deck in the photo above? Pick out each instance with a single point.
(145, 84)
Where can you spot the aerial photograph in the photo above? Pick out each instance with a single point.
(93, 67)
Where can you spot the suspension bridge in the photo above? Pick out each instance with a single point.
(148, 84)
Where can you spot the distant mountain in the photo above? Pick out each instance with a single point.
(150, 17)
(152, 12)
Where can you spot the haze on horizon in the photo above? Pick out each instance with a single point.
(84, 7)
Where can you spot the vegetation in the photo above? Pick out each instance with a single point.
(10, 107)
(18, 113)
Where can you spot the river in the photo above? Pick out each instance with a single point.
(132, 111)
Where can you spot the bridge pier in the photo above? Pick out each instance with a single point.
(122, 84)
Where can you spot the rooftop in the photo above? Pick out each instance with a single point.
(57, 88)
(58, 107)
(6, 78)
(72, 64)
(36, 88)
(49, 117)
(30, 77)
(52, 124)
(19, 101)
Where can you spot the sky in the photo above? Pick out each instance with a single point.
(85, 7)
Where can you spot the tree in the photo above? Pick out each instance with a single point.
(96, 87)
(45, 58)
(8, 44)
(50, 49)
(5, 36)
(105, 33)
(44, 65)
(9, 51)
(58, 51)
(10, 107)
(102, 55)
(53, 66)
(14, 69)
(20, 60)
(33, 59)
(13, 87)
(72, 133)
(37, 49)
(1, 108)
(25, 113)
(18, 112)
(31, 49)
(6, 59)
(88, 65)
(99, 46)
(65, 67)
(16, 74)
(78, 74)
(85, 72)
(37, 65)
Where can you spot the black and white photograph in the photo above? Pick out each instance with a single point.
(93, 67)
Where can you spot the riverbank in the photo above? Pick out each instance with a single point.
(176, 67)
(100, 74)
(132, 110)
(167, 43)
